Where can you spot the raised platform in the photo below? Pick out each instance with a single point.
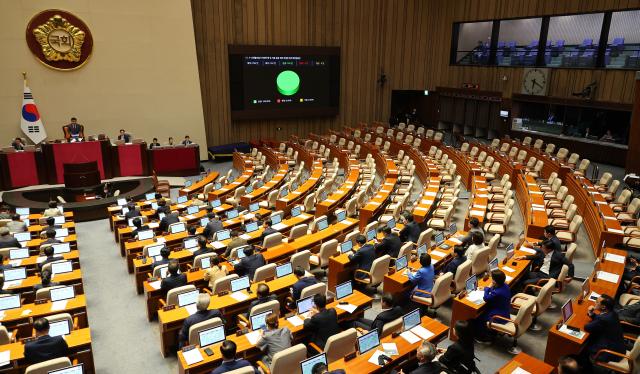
(85, 205)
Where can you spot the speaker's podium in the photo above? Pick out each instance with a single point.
(82, 175)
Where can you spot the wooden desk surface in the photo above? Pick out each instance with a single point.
(528, 363)
(247, 172)
(34, 243)
(199, 185)
(36, 216)
(32, 261)
(425, 204)
(480, 198)
(77, 338)
(28, 311)
(294, 197)
(343, 193)
(37, 229)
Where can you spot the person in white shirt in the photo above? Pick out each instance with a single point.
(476, 246)
(52, 211)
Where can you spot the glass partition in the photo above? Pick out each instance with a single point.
(518, 42)
(572, 41)
(474, 40)
(623, 44)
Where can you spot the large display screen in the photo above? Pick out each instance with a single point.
(283, 81)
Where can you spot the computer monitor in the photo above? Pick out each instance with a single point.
(59, 328)
(124, 210)
(130, 222)
(341, 215)
(204, 221)
(154, 206)
(145, 234)
(22, 236)
(17, 254)
(371, 234)
(322, 224)
(193, 209)
(150, 196)
(9, 302)
(205, 263)
(61, 209)
(368, 341)
(215, 203)
(294, 186)
(421, 250)
(439, 238)
(182, 199)
(177, 227)
(28, 223)
(276, 219)
(260, 183)
(232, 214)
(259, 321)
(304, 305)
(61, 248)
(567, 311)
(471, 284)
(122, 202)
(306, 366)
(218, 186)
(75, 369)
(296, 210)
(453, 228)
(189, 243)
(61, 267)
(346, 246)
(211, 336)
(240, 252)
(164, 270)
(223, 235)
(391, 223)
(188, 298)
(401, 263)
(493, 265)
(188, 183)
(240, 284)
(154, 250)
(411, 320)
(14, 274)
(58, 220)
(254, 207)
(510, 251)
(249, 189)
(284, 192)
(586, 288)
(22, 211)
(343, 290)
(62, 232)
(251, 227)
(62, 293)
(284, 270)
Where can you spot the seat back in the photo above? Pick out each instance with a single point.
(314, 289)
(49, 365)
(573, 158)
(273, 306)
(172, 295)
(613, 187)
(158, 269)
(537, 144)
(584, 164)
(527, 140)
(480, 261)
(223, 284)
(405, 250)
(272, 240)
(442, 289)
(301, 259)
(48, 265)
(575, 224)
(5, 338)
(495, 143)
(264, 273)
(624, 197)
(340, 345)
(379, 269)
(633, 206)
(605, 179)
(544, 299)
(463, 272)
(298, 231)
(327, 249)
(391, 327)
(45, 293)
(288, 360)
(524, 318)
(493, 246)
(550, 148)
(197, 261)
(195, 329)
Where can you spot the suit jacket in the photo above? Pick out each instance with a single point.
(630, 313)
(557, 245)
(321, 326)
(45, 348)
(558, 259)
(234, 243)
(386, 316)
(50, 241)
(167, 220)
(8, 241)
(125, 137)
(452, 266)
(261, 300)
(390, 245)
(363, 258)
(410, 232)
(173, 281)
(606, 333)
(132, 213)
(301, 284)
(227, 366)
(265, 232)
(211, 227)
(428, 368)
(164, 261)
(466, 240)
(48, 260)
(498, 303)
(248, 265)
(16, 226)
(41, 286)
(136, 230)
(198, 317)
(74, 128)
(202, 251)
(163, 209)
(153, 145)
(457, 355)
(423, 279)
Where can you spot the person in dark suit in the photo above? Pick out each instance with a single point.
(3, 267)
(17, 144)
(51, 224)
(51, 237)
(411, 230)
(170, 218)
(550, 235)
(459, 356)
(164, 253)
(137, 223)
(568, 365)
(498, 303)
(321, 368)
(249, 263)
(8, 241)
(263, 295)
(229, 360)
(302, 282)
(44, 347)
(45, 281)
(547, 263)
(162, 206)
(173, 279)
(203, 314)
(2, 290)
(75, 129)
(389, 245)
(605, 332)
(425, 354)
(322, 323)
(154, 143)
(214, 225)
(474, 226)
(124, 136)
(48, 252)
(266, 230)
(134, 211)
(364, 257)
(187, 140)
(458, 259)
(389, 312)
(202, 247)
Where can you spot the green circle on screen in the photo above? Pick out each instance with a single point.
(288, 82)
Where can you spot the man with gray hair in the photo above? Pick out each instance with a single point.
(202, 314)
(6, 240)
(425, 355)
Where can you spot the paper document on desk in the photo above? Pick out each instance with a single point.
(419, 208)
(421, 332)
(519, 370)
(507, 269)
(508, 278)
(437, 253)
(614, 257)
(476, 213)
(374, 203)
(374, 357)
(295, 321)
(58, 305)
(455, 240)
(576, 334)
(216, 245)
(279, 226)
(390, 349)
(410, 337)
(41, 259)
(18, 262)
(481, 207)
(161, 240)
(154, 225)
(245, 236)
(5, 358)
(347, 307)
(248, 216)
(593, 296)
(476, 296)
(528, 250)
(609, 277)
(239, 296)
(192, 356)
(13, 283)
(616, 231)
(155, 285)
(426, 202)
(253, 337)
(430, 193)
(191, 309)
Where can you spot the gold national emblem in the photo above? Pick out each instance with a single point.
(60, 40)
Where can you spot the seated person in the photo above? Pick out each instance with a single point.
(605, 332)
(546, 263)
(214, 225)
(137, 223)
(51, 237)
(477, 244)
(44, 347)
(202, 314)
(550, 234)
(274, 339)
(422, 279)
(321, 368)
(170, 141)
(426, 354)
(322, 323)
(389, 245)
(173, 279)
(2, 290)
(154, 143)
(202, 247)
(364, 257)
(411, 230)
(45, 281)
(124, 136)
(8, 241)
(51, 223)
(134, 211)
(187, 140)
(164, 253)
(17, 144)
(49, 257)
(474, 226)
(389, 312)
(74, 128)
(608, 137)
(303, 282)
(458, 259)
(459, 356)
(236, 241)
(52, 210)
(229, 360)
(162, 205)
(568, 365)
(630, 313)
(266, 230)
(215, 272)
(2, 266)
(249, 263)
(5, 212)
(16, 224)
(263, 295)
(167, 220)
(498, 303)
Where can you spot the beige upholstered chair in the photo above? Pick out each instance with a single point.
(197, 261)
(195, 329)
(339, 345)
(542, 300)
(223, 284)
(515, 326)
(391, 327)
(440, 293)
(272, 240)
(297, 232)
(45, 293)
(301, 259)
(172, 295)
(286, 361)
(264, 273)
(570, 235)
(237, 194)
(463, 272)
(314, 289)
(327, 249)
(47, 366)
(379, 268)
